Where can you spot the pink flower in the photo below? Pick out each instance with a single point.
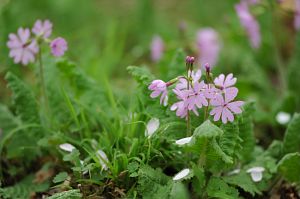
(157, 48)
(208, 46)
(297, 15)
(43, 29)
(223, 82)
(58, 46)
(22, 49)
(226, 108)
(196, 96)
(196, 75)
(249, 23)
(181, 107)
(158, 87)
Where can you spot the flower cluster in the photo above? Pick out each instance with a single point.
(193, 93)
(24, 47)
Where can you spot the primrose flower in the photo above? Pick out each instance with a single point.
(151, 127)
(58, 47)
(226, 108)
(208, 45)
(182, 174)
(181, 106)
(249, 23)
(22, 48)
(297, 15)
(183, 141)
(256, 173)
(42, 28)
(158, 87)
(67, 147)
(224, 83)
(195, 75)
(102, 159)
(157, 48)
(197, 96)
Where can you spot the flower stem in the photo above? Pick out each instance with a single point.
(188, 121)
(43, 87)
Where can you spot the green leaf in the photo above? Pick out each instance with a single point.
(71, 194)
(245, 126)
(178, 191)
(141, 74)
(23, 99)
(291, 141)
(217, 188)
(208, 130)
(289, 167)
(62, 176)
(244, 181)
(7, 120)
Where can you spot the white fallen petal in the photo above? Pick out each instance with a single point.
(236, 171)
(67, 147)
(183, 173)
(283, 117)
(183, 141)
(102, 159)
(151, 127)
(256, 173)
(166, 101)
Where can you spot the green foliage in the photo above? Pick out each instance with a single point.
(217, 188)
(71, 194)
(141, 74)
(7, 120)
(60, 177)
(23, 189)
(246, 132)
(24, 100)
(289, 168)
(244, 181)
(291, 141)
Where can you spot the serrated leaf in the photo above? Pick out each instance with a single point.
(178, 191)
(291, 141)
(208, 130)
(62, 176)
(289, 167)
(242, 180)
(71, 194)
(217, 188)
(141, 74)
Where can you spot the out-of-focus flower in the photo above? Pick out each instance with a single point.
(183, 141)
(283, 117)
(103, 160)
(249, 23)
(151, 127)
(253, 1)
(182, 174)
(297, 15)
(22, 49)
(157, 48)
(226, 108)
(256, 173)
(208, 45)
(42, 28)
(58, 46)
(158, 87)
(67, 147)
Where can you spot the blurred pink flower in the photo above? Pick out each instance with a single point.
(157, 48)
(158, 87)
(208, 45)
(253, 1)
(22, 49)
(58, 46)
(249, 23)
(43, 29)
(226, 108)
(297, 15)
